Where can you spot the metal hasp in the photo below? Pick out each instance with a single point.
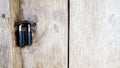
(24, 33)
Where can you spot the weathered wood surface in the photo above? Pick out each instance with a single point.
(15, 14)
(5, 35)
(49, 48)
(95, 34)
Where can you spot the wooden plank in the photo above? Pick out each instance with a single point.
(49, 48)
(5, 35)
(15, 15)
(95, 34)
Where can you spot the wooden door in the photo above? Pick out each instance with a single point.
(50, 41)
(89, 33)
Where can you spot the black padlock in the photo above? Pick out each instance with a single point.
(23, 33)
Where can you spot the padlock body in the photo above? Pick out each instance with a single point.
(21, 38)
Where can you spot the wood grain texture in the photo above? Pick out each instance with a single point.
(5, 35)
(15, 15)
(49, 48)
(95, 34)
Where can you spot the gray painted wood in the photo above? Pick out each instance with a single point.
(5, 35)
(95, 34)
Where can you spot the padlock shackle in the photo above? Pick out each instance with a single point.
(20, 27)
(29, 28)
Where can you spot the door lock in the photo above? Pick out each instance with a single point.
(24, 33)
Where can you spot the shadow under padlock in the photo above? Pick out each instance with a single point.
(24, 33)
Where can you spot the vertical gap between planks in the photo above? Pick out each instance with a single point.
(68, 32)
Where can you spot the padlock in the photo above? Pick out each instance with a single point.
(24, 33)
